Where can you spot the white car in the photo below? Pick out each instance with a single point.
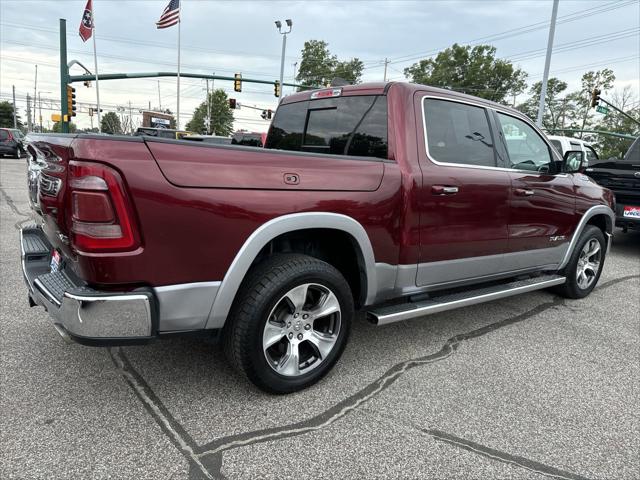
(564, 144)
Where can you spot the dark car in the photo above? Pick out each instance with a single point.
(249, 139)
(11, 142)
(213, 139)
(162, 132)
(623, 178)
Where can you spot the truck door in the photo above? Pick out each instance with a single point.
(464, 198)
(542, 202)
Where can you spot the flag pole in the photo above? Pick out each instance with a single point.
(95, 63)
(178, 96)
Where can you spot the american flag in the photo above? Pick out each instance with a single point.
(170, 16)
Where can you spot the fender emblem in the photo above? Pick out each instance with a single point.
(556, 238)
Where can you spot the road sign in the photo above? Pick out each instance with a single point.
(601, 109)
(56, 117)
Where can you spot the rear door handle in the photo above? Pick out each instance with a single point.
(444, 190)
(523, 192)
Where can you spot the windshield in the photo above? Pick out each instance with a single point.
(17, 133)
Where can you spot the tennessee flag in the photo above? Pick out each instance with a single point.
(86, 24)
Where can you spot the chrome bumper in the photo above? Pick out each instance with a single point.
(80, 313)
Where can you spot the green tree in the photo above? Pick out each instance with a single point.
(6, 116)
(319, 67)
(472, 70)
(111, 124)
(57, 128)
(557, 108)
(602, 79)
(221, 115)
(608, 146)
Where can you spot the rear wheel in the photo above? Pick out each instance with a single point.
(289, 323)
(585, 265)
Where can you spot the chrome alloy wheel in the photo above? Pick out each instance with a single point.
(301, 330)
(588, 264)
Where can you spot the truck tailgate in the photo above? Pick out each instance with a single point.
(215, 166)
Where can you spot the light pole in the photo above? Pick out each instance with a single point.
(284, 46)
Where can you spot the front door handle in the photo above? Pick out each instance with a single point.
(523, 192)
(444, 190)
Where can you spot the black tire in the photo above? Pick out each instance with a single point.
(264, 287)
(571, 288)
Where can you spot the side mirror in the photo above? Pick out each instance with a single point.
(573, 161)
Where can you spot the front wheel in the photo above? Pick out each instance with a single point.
(585, 265)
(290, 322)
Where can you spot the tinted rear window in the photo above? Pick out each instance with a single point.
(355, 126)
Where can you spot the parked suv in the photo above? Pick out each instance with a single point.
(396, 199)
(11, 142)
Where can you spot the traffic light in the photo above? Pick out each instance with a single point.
(237, 82)
(269, 113)
(264, 114)
(71, 101)
(595, 97)
(276, 88)
(233, 104)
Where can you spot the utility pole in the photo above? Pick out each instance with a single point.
(130, 119)
(208, 125)
(40, 110)
(28, 112)
(35, 87)
(159, 99)
(547, 63)
(386, 62)
(295, 68)
(15, 120)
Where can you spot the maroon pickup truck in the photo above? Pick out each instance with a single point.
(395, 199)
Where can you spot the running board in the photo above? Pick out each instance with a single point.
(405, 311)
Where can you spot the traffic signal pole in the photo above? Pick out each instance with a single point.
(64, 77)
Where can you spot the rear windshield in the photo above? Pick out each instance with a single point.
(354, 126)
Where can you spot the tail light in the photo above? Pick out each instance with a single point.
(102, 219)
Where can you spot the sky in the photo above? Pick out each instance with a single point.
(224, 37)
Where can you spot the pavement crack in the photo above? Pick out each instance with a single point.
(351, 403)
(172, 429)
(501, 456)
(11, 204)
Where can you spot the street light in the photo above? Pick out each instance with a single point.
(284, 46)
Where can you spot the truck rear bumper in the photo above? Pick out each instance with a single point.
(80, 313)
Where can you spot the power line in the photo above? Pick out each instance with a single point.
(522, 30)
(133, 41)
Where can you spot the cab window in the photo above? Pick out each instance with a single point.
(353, 126)
(458, 133)
(526, 148)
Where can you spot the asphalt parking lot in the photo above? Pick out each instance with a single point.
(524, 388)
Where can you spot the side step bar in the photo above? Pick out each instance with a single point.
(405, 311)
